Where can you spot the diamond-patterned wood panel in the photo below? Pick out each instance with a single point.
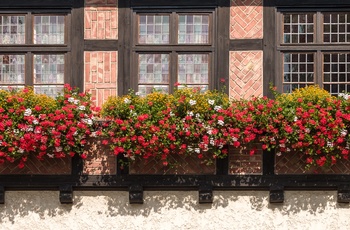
(100, 159)
(177, 164)
(241, 162)
(246, 74)
(246, 20)
(34, 166)
(294, 163)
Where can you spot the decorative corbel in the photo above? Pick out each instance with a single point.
(343, 195)
(2, 194)
(66, 194)
(135, 194)
(276, 194)
(205, 193)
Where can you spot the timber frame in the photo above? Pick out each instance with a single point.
(204, 184)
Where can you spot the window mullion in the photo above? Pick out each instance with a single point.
(319, 29)
(173, 71)
(29, 73)
(29, 29)
(173, 23)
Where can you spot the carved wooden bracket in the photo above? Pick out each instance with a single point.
(277, 194)
(66, 194)
(135, 194)
(343, 195)
(2, 194)
(205, 194)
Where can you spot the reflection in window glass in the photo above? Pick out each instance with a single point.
(193, 69)
(49, 69)
(49, 90)
(154, 68)
(12, 69)
(153, 29)
(49, 30)
(298, 28)
(193, 29)
(12, 29)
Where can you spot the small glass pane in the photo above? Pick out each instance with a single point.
(154, 68)
(298, 28)
(12, 30)
(49, 69)
(49, 29)
(49, 90)
(193, 29)
(153, 29)
(12, 69)
(298, 71)
(336, 27)
(147, 89)
(193, 69)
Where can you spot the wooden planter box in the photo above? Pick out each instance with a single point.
(241, 162)
(294, 163)
(177, 164)
(100, 158)
(34, 166)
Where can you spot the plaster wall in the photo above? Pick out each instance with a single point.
(173, 210)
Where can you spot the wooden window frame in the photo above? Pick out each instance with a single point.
(29, 49)
(73, 47)
(173, 48)
(219, 69)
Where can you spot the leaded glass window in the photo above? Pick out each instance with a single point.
(173, 47)
(41, 44)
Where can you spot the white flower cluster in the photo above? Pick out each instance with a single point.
(27, 112)
(193, 102)
(211, 102)
(127, 101)
(217, 108)
(344, 95)
(73, 100)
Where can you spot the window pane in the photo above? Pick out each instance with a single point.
(49, 90)
(193, 69)
(336, 27)
(12, 29)
(49, 69)
(298, 28)
(153, 29)
(154, 68)
(49, 30)
(12, 69)
(298, 71)
(193, 29)
(147, 89)
(336, 67)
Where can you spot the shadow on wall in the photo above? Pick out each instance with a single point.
(20, 204)
(313, 202)
(111, 204)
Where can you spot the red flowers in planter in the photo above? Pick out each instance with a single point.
(41, 125)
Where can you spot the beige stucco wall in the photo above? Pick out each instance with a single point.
(173, 210)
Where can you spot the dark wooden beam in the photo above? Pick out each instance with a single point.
(246, 44)
(100, 45)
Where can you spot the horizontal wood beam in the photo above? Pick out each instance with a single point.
(246, 44)
(100, 45)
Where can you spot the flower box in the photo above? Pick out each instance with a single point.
(177, 164)
(241, 162)
(100, 159)
(34, 166)
(294, 163)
